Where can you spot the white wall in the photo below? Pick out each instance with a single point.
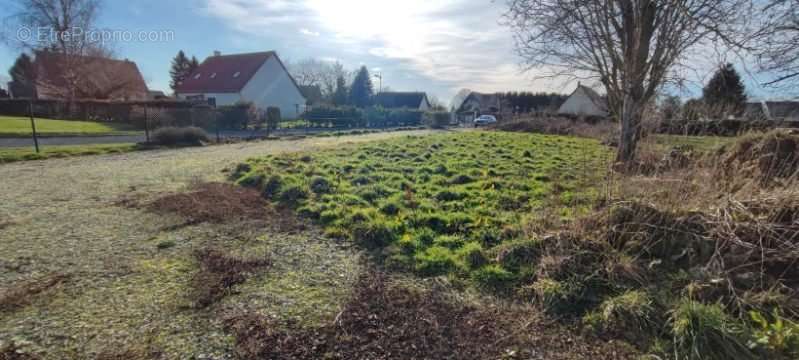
(580, 104)
(222, 99)
(272, 86)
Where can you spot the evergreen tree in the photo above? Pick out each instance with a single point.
(361, 90)
(23, 71)
(725, 92)
(182, 67)
(340, 94)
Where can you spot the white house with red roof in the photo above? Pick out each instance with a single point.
(260, 78)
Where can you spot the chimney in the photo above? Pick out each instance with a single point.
(217, 53)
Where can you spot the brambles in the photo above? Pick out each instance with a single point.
(172, 136)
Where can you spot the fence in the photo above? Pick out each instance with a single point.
(137, 121)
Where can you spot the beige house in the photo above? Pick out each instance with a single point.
(584, 101)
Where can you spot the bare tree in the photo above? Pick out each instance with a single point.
(778, 42)
(312, 72)
(630, 46)
(63, 31)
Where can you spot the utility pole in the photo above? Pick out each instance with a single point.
(33, 127)
(380, 77)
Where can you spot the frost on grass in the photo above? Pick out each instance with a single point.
(127, 293)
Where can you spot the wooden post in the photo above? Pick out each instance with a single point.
(33, 127)
(146, 125)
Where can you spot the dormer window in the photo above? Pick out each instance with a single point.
(213, 75)
(237, 74)
(197, 76)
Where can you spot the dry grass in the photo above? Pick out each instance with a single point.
(556, 125)
(387, 319)
(25, 293)
(213, 202)
(219, 273)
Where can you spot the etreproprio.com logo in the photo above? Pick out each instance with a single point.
(50, 35)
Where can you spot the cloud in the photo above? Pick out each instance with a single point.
(305, 31)
(419, 44)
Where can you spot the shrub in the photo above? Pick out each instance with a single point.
(435, 261)
(173, 136)
(706, 332)
(494, 278)
(272, 117)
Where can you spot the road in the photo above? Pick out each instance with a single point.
(128, 139)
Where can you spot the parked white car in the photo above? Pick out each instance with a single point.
(485, 120)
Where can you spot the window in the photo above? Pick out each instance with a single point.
(197, 76)
(213, 75)
(237, 74)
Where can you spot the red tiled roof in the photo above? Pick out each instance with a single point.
(97, 77)
(217, 74)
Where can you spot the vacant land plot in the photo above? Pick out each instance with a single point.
(21, 126)
(444, 204)
(84, 273)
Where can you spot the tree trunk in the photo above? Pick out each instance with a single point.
(630, 129)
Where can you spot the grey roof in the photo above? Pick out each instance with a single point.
(391, 100)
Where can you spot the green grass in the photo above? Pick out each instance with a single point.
(28, 153)
(21, 126)
(437, 205)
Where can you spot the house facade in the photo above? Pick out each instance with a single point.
(476, 104)
(403, 100)
(584, 101)
(773, 110)
(260, 78)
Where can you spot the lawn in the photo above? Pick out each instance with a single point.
(27, 153)
(439, 205)
(20, 126)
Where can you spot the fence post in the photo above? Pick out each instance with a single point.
(146, 125)
(33, 126)
(218, 136)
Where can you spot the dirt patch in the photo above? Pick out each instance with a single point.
(387, 321)
(12, 352)
(23, 294)
(213, 202)
(219, 273)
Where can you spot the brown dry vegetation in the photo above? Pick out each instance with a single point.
(25, 293)
(219, 273)
(213, 202)
(387, 320)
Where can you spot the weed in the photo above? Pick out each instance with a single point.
(703, 331)
(436, 260)
(494, 278)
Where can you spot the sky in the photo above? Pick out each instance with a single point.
(436, 46)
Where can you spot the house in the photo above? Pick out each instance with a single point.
(773, 110)
(404, 100)
(82, 77)
(260, 78)
(584, 101)
(475, 104)
(156, 95)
